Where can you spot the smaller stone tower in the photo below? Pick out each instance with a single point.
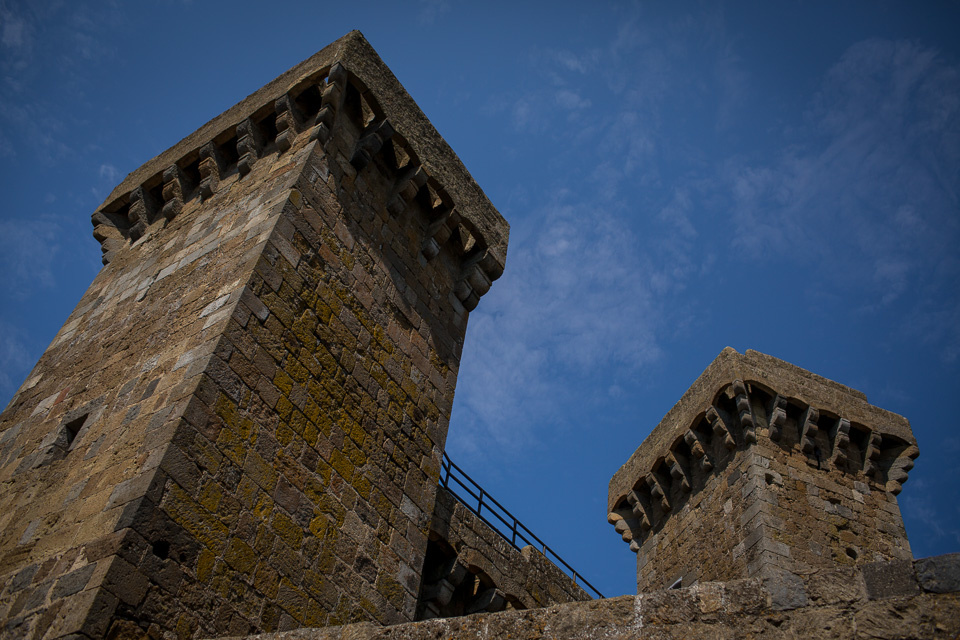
(763, 468)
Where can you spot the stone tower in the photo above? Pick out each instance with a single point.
(240, 426)
(763, 469)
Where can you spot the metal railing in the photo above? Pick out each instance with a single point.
(510, 528)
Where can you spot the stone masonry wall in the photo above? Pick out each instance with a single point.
(470, 567)
(883, 600)
(240, 427)
(330, 395)
(87, 435)
(696, 543)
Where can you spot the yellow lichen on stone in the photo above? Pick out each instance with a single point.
(240, 555)
(288, 530)
(210, 496)
(230, 444)
(342, 465)
(227, 410)
(199, 522)
(205, 561)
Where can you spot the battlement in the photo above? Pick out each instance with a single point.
(762, 464)
(344, 97)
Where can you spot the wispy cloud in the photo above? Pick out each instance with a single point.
(27, 250)
(430, 10)
(939, 529)
(31, 125)
(594, 271)
(583, 299)
(867, 197)
(16, 358)
(16, 38)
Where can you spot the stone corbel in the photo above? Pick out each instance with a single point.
(330, 102)
(251, 140)
(212, 166)
(176, 186)
(406, 189)
(289, 121)
(451, 575)
(720, 429)
(871, 459)
(841, 440)
(640, 505)
(657, 493)
(473, 282)
(809, 430)
(370, 144)
(110, 237)
(900, 469)
(143, 210)
(677, 472)
(696, 450)
(744, 412)
(438, 231)
(491, 600)
(778, 417)
(625, 527)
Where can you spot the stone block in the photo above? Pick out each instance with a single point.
(785, 590)
(939, 574)
(890, 579)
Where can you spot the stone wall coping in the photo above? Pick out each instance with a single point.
(908, 593)
(367, 70)
(758, 368)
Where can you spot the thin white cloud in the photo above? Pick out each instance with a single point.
(571, 100)
(582, 296)
(870, 193)
(27, 249)
(13, 31)
(109, 173)
(430, 10)
(16, 359)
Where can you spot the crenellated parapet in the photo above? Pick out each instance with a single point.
(346, 100)
(755, 455)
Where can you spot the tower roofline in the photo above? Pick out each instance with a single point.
(752, 367)
(367, 73)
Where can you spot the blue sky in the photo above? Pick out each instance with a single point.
(679, 177)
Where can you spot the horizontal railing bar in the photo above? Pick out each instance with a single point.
(516, 527)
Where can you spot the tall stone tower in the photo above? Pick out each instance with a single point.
(763, 469)
(240, 426)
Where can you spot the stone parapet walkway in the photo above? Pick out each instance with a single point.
(899, 599)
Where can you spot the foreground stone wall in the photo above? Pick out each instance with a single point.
(470, 567)
(763, 467)
(887, 600)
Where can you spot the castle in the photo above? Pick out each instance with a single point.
(241, 427)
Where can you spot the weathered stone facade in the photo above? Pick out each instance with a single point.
(240, 427)
(778, 468)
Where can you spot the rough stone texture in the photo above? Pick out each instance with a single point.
(779, 469)
(240, 426)
(471, 567)
(826, 606)
(939, 574)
